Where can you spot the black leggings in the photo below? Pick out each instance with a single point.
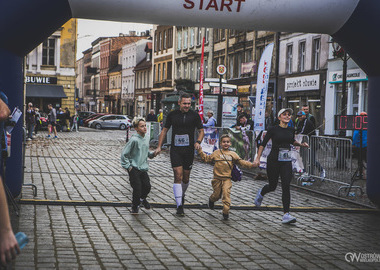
(274, 170)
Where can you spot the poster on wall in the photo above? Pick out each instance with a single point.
(210, 103)
(229, 111)
(210, 141)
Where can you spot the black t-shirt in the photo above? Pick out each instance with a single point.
(281, 138)
(183, 124)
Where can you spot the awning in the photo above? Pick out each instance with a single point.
(45, 91)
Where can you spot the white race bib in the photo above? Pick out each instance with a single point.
(284, 155)
(181, 140)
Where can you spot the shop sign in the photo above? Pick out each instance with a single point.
(302, 83)
(243, 89)
(352, 76)
(248, 68)
(40, 80)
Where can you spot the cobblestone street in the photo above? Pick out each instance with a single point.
(80, 218)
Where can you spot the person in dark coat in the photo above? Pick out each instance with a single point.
(151, 117)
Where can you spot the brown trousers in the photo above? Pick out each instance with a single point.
(222, 188)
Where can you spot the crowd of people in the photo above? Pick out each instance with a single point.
(56, 121)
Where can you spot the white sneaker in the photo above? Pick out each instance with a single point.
(323, 173)
(28, 139)
(287, 219)
(259, 198)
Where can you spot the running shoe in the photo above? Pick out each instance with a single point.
(135, 210)
(48, 136)
(146, 204)
(180, 211)
(288, 219)
(211, 204)
(259, 198)
(225, 216)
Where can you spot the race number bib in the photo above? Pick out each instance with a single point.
(284, 155)
(181, 140)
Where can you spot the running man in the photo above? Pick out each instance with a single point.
(184, 121)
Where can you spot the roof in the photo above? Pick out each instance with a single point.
(115, 69)
(143, 64)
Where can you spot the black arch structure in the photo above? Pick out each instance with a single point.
(354, 24)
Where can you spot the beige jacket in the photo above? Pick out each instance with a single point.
(221, 168)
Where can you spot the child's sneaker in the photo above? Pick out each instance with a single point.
(259, 198)
(225, 216)
(55, 137)
(180, 211)
(135, 209)
(211, 204)
(48, 136)
(288, 219)
(146, 204)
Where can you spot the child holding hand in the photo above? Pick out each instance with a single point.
(221, 184)
(134, 158)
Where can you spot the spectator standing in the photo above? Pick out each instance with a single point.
(240, 111)
(151, 117)
(160, 116)
(360, 150)
(67, 118)
(309, 116)
(211, 121)
(60, 119)
(38, 121)
(244, 123)
(30, 118)
(268, 122)
(75, 123)
(52, 118)
(304, 125)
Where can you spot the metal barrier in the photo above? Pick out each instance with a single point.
(330, 160)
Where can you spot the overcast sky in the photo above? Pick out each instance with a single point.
(89, 30)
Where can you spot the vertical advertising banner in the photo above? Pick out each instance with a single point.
(229, 111)
(200, 107)
(262, 87)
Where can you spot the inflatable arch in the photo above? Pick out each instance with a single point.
(353, 24)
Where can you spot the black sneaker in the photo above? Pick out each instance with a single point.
(225, 216)
(180, 211)
(135, 209)
(210, 204)
(146, 204)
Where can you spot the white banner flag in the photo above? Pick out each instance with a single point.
(262, 86)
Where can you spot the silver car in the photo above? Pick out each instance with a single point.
(111, 121)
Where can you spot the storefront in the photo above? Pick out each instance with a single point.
(303, 90)
(356, 91)
(42, 91)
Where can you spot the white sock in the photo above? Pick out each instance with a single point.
(184, 187)
(177, 189)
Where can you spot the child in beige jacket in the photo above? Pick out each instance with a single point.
(221, 184)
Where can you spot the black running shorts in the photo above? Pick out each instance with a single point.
(182, 158)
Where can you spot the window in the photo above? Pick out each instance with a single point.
(48, 52)
(169, 71)
(178, 69)
(198, 71)
(231, 64)
(316, 52)
(205, 68)
(156, 43)
(154, 73)
(192, 37)
(222, 34)
(159, 72)
(163, 71)
(191, 70)
(179, 40)
(160, 41)
(170, 38)
(302, 56)
(216, 35)
(185, 75)
(199, 37)
(259, 52)
(165, 39)
(185, 38)
(207, 35)
(289, 59)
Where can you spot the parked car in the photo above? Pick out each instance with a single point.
(111, 121)
(92, 117)
(83, 115)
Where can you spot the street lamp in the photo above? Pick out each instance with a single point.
(339, 52)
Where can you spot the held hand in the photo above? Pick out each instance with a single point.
(8, 247)
(304, 144)
(157, 151)
(197, 146)
(256, 163)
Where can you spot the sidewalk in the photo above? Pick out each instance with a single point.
(79, 219)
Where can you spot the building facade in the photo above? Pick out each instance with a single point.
(303, 72)
(50, 70)
(143, 85)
